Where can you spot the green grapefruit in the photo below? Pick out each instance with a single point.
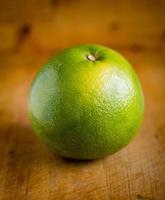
(86, 102)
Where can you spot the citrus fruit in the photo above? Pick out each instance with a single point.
(86, 102)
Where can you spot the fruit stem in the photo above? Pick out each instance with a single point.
(91, 57)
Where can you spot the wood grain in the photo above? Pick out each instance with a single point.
(30, 32)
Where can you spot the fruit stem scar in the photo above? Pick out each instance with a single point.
(91, 57)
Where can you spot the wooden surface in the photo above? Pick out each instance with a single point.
(30, 32)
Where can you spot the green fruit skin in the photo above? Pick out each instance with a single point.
(86, 109)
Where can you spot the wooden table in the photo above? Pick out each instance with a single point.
(32, 31)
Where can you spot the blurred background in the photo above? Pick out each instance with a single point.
(33, 30)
